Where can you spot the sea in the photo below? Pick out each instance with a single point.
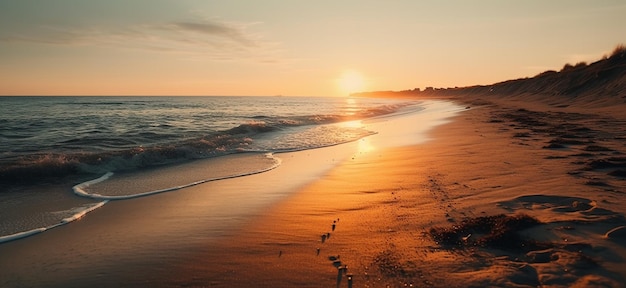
(60, 156)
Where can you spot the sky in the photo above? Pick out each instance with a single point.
(292, 47)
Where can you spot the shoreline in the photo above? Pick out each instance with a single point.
(488, 160)
(134, 233)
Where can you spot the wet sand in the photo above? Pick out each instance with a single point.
(383, 200)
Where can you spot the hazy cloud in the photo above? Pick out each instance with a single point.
(209, 38)
(215, 29)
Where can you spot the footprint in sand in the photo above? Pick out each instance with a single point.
(335, 260)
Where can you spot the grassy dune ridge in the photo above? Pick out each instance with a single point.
(582, 82)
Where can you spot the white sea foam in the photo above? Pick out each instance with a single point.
(84, 212)
(80, 188)
(79, 214)
(21, 235)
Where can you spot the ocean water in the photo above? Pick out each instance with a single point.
(63, 157)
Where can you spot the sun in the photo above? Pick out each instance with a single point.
(350, 81)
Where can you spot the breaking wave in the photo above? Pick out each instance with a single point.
(262, 133)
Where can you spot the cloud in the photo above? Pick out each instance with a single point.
(236, 34)
(44, 35)
(209, 38)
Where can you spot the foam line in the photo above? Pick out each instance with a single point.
(35, 231)
(21, 235)
(83, 212)
(79, 189)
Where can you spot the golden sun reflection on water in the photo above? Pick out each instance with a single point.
(351, 107)
(363, 144)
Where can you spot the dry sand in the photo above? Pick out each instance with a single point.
(563, 165)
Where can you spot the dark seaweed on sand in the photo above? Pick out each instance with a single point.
(499, 231)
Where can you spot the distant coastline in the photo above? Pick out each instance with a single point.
(605, 78)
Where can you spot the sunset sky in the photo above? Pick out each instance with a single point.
(308, 48)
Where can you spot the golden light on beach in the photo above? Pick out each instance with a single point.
(350, 81)
(365, 146)
(313, 144)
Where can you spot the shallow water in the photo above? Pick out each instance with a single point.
(52, 144)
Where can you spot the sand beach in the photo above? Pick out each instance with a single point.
(385, 215)
(324, 144)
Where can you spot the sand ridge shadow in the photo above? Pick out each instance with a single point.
(586, 209)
